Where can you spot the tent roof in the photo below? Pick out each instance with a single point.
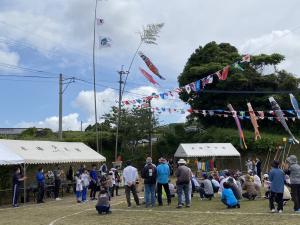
(9, 158)
(42, 152)
(206, 150)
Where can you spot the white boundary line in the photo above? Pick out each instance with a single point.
(205, 212)
(63, 217)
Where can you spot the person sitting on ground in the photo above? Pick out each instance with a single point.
(228, 197)
(256, 180)
(172, 189)
(215, 184)
(195, 184)
(249, 186)
(103, 205)
(206, 189)
(237, 193)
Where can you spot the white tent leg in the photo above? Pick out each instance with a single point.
(24, 168)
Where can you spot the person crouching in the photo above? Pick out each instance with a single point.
(103, 205)
(228, 197)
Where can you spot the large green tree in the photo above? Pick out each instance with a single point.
(213, 57)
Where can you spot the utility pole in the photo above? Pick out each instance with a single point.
(81, 125)
(150, 128)
(121, 73)
(60, 107)
(94, 76)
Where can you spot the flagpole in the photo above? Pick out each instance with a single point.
(94, 76)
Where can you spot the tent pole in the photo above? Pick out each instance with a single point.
(241, 164)
(24, 184)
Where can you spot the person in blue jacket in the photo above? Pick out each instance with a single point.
(228, 197)
(277, 177)
(94, 182)
(162, 177)
(40, 178)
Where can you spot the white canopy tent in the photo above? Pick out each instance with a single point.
(27, 152)
(194, 150)
(9, 158)
(49, 152)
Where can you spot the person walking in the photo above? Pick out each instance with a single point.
(184, 176)
(162, 177)
(93, 182)
(293, 170)
(58, 172)
(17, 178)
(130, 176)
(40, 178)
(276, 177)
(149, 175)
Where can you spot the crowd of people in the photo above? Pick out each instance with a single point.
(232, 186)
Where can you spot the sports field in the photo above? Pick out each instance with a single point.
(202, 212)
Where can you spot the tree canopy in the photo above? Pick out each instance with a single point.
(261, 74)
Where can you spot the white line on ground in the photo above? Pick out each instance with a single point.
(73, 214)
(206, 212)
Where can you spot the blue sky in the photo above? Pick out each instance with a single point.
(56, 37)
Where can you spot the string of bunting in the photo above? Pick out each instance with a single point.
(195, 86)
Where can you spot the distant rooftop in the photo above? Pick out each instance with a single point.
(12, 131)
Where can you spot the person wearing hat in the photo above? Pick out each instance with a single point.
(130, 176)
(293, 170)
(162, 178)
(149, 175)
(184, 176)
(276, 177)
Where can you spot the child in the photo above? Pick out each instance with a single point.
(228, 197)
(78, 186)
(85, 184)
(266, 185)
(103, 205)
(172, 189)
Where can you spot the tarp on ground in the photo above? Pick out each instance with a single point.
(47, 152)
(8, 157)
(186, 150)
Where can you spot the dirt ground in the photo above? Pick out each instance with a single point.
(202, 212)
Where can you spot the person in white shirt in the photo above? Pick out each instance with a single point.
(130, 176)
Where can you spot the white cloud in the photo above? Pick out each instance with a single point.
(285, 42)
(7, 56)
(70, 122)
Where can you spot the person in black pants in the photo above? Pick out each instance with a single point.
(93, 182)
(57, 182)
(163, 173)
(17, 178)
(40, 178)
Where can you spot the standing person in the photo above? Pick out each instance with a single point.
(118, 181)
(82, 168)
(58, 172)
(293, 170)
(40, 178)
(184, 176)
(276, 177)
(258, 167)
(249, 164)
(93, 183)
(79, 187)
(149, 176)
(130, 176)
(162, 177)
(85, 184)
(17, 178)
(70, 178)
